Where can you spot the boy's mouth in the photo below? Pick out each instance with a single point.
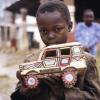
(52, 43)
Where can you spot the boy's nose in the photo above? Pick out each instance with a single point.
(51, 35)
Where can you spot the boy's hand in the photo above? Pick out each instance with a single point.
(29, 91)
(86, 49)
(18, 75)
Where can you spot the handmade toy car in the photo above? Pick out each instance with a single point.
(62, 60)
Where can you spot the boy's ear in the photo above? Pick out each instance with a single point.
(70, 26)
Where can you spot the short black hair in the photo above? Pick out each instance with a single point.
(54, 5)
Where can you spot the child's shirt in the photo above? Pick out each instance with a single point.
(88, 36)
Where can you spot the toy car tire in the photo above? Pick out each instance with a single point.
(69, 77)
(31, 81)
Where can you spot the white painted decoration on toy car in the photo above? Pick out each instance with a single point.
(69, 77)
(31, 81)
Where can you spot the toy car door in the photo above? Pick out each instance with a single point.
(50, 58)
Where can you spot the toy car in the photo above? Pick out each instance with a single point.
(62, 60)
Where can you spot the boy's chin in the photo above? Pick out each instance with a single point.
(53, 44)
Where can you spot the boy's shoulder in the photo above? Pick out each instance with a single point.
(97, 25)
(80, 24)
(89, 58)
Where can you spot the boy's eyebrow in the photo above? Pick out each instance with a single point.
(56, 25)
(42, 26)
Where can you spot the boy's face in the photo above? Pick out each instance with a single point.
(88, 17)
(53, 28)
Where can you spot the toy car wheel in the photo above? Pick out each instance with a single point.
(31, 81)
(69, 77)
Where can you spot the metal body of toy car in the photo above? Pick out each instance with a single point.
(62, 60)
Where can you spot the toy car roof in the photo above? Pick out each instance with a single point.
(64, 45)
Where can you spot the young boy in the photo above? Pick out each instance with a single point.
(54, 23)
(88, 32)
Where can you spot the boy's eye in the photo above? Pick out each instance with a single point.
(58, 29)
(43, 31)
